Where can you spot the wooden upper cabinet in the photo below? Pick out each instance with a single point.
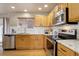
(50, 18)
(40, 20)
(37, 20)
(44, 21)
(56, 9)
(62, 6)
(73, 12)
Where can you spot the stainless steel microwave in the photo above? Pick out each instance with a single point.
(62, 17)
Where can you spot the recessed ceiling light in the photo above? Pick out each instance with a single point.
(13, 7)
(45, 5)
(39, 8)
(25, 10)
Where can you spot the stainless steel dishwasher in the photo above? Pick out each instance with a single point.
(8, 42)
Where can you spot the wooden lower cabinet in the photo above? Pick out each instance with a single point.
(39, 40)
(29, 42)
(23, 42)
(64, 51)
(77, 54)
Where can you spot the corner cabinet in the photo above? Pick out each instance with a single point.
(73, 12)
(38, 41)
(50, 19)
(40, 21)
(62, 6)
(64, 51)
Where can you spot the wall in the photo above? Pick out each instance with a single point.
(1, 28)
(34, 30)
(13, 23)
(13, 16)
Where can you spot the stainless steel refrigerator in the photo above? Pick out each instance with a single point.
(8, 42)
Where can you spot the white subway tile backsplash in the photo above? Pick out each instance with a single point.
(34, 30)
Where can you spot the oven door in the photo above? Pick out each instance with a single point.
(52, 48)
(49, 48)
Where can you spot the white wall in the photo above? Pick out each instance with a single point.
(13, 16)
(34, 30)
(1, 28)
(13, 22)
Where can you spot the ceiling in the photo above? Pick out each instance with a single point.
(31, 7)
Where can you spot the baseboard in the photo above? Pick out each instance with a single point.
(10, 49)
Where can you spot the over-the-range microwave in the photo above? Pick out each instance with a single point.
(62, 17)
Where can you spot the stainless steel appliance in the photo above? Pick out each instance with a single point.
(67, 34)
(55, 34)
(62, 17)
(52, 46)
(60, 34)
(8, 42)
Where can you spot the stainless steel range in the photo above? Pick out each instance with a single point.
(67, 34)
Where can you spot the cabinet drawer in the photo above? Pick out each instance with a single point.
(60, 53)
(77, 54)
(66, 51)
(23, 36)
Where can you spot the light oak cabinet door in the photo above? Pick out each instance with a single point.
(37, 21)
(50, 19)
(77, 54)
(40, 20)
(64, 51)
(29, 42)
(73, 12)
(62, 6)
(23, 42)
(56, 8)
(44, 21)
(39, 42)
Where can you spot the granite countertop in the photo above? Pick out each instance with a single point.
(28, 34)
(72, 44)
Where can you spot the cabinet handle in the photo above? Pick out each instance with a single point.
(63, 50)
